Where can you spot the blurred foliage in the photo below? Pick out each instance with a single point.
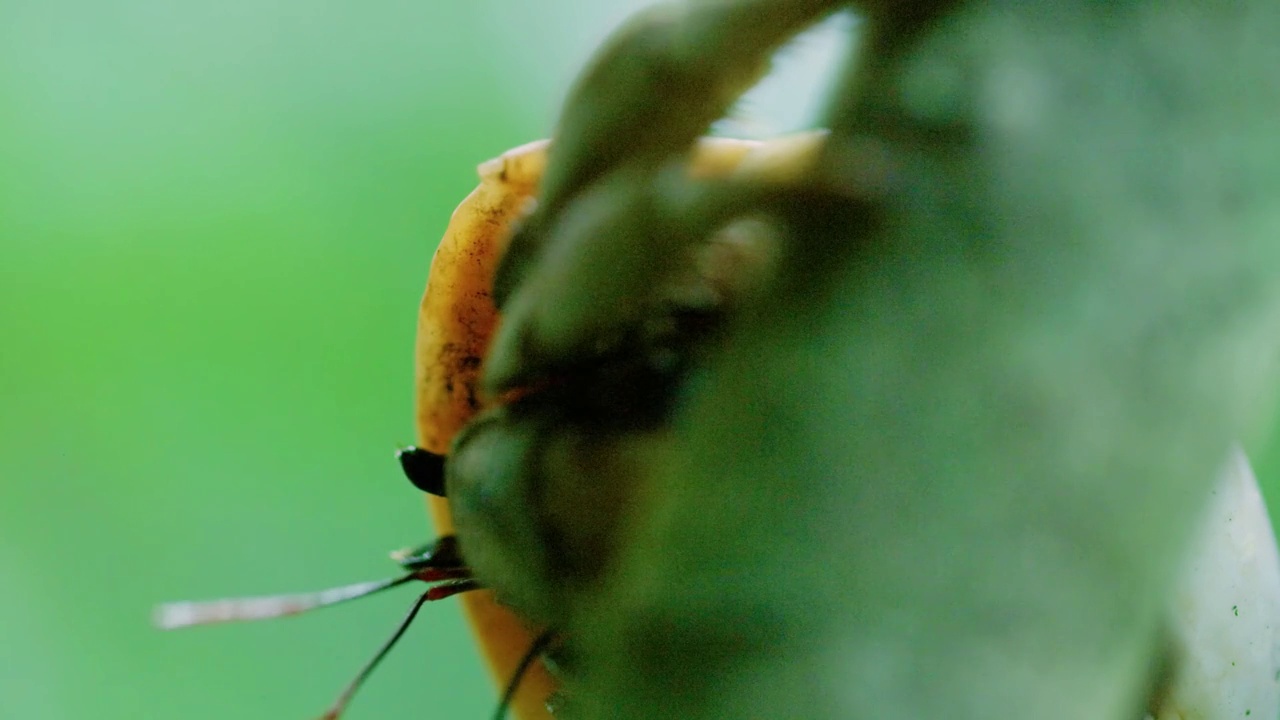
(215, 223)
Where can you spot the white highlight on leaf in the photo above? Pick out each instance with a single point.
(1226, 612)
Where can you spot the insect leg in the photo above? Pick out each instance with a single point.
(344, 699)
(619, 241)
(649, 92)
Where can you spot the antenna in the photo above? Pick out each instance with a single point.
(439, 562)
(438, 592)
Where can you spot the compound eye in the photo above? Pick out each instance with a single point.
(424, 469)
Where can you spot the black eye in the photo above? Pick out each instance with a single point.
(423, 468)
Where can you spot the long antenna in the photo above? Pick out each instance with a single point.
(433, 562)
(438, 562)
(170, 616)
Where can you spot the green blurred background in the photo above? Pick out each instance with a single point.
(215, 223)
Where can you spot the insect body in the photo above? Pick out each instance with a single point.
(528, 539)
(481, 459)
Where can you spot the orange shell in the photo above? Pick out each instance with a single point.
(457, 319)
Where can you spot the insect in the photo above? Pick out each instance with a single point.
(472, 449)
(544, 474)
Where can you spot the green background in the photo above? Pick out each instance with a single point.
(215, 223)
